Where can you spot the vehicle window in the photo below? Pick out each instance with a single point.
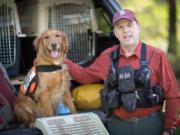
(104, 23)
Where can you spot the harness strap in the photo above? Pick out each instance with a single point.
(150, 57)
(114, 59)
(48, 68)
(115, 56)
(143, 55)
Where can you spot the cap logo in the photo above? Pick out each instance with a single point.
(122, 12)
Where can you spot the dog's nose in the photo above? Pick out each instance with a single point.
(54, 45)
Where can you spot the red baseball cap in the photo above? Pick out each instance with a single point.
(124, 14)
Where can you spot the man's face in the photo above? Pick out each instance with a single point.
(127, 32)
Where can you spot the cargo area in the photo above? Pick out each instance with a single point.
(87, 24)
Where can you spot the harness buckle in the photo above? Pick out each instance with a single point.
(143, 62)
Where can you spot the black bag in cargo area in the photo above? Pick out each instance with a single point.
(7, 96)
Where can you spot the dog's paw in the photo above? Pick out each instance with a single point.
(31, 125)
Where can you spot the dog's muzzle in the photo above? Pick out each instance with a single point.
(55, 51)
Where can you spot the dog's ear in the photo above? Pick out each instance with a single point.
(65, 43)
(37, 43)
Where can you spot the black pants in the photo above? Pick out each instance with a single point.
(149, 125)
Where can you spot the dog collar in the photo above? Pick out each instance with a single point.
(48, 68)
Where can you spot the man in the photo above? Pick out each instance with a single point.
(147, 120)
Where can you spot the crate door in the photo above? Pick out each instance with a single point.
(75, 21)
(7, 36)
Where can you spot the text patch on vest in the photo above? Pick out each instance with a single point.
(29, 81)
(126, 79)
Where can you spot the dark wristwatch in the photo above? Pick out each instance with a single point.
(171, 131)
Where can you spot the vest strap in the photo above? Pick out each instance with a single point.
(143, 55)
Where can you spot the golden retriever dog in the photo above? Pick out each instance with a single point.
(52, 87)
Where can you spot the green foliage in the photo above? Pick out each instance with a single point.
(178, 131)
(178, 27)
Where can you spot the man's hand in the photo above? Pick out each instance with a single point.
(165, 133)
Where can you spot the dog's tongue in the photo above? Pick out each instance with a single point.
(54, 54)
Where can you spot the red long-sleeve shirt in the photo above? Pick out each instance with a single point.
(162, 74)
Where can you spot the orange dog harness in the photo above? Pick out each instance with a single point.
(29, 84)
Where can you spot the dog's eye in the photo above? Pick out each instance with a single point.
(57, 35)
(46, 37)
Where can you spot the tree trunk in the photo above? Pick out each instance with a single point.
(172, 27)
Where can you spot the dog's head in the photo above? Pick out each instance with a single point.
(51, 44)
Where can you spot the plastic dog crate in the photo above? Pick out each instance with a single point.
(74, 17)
(9, 37)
